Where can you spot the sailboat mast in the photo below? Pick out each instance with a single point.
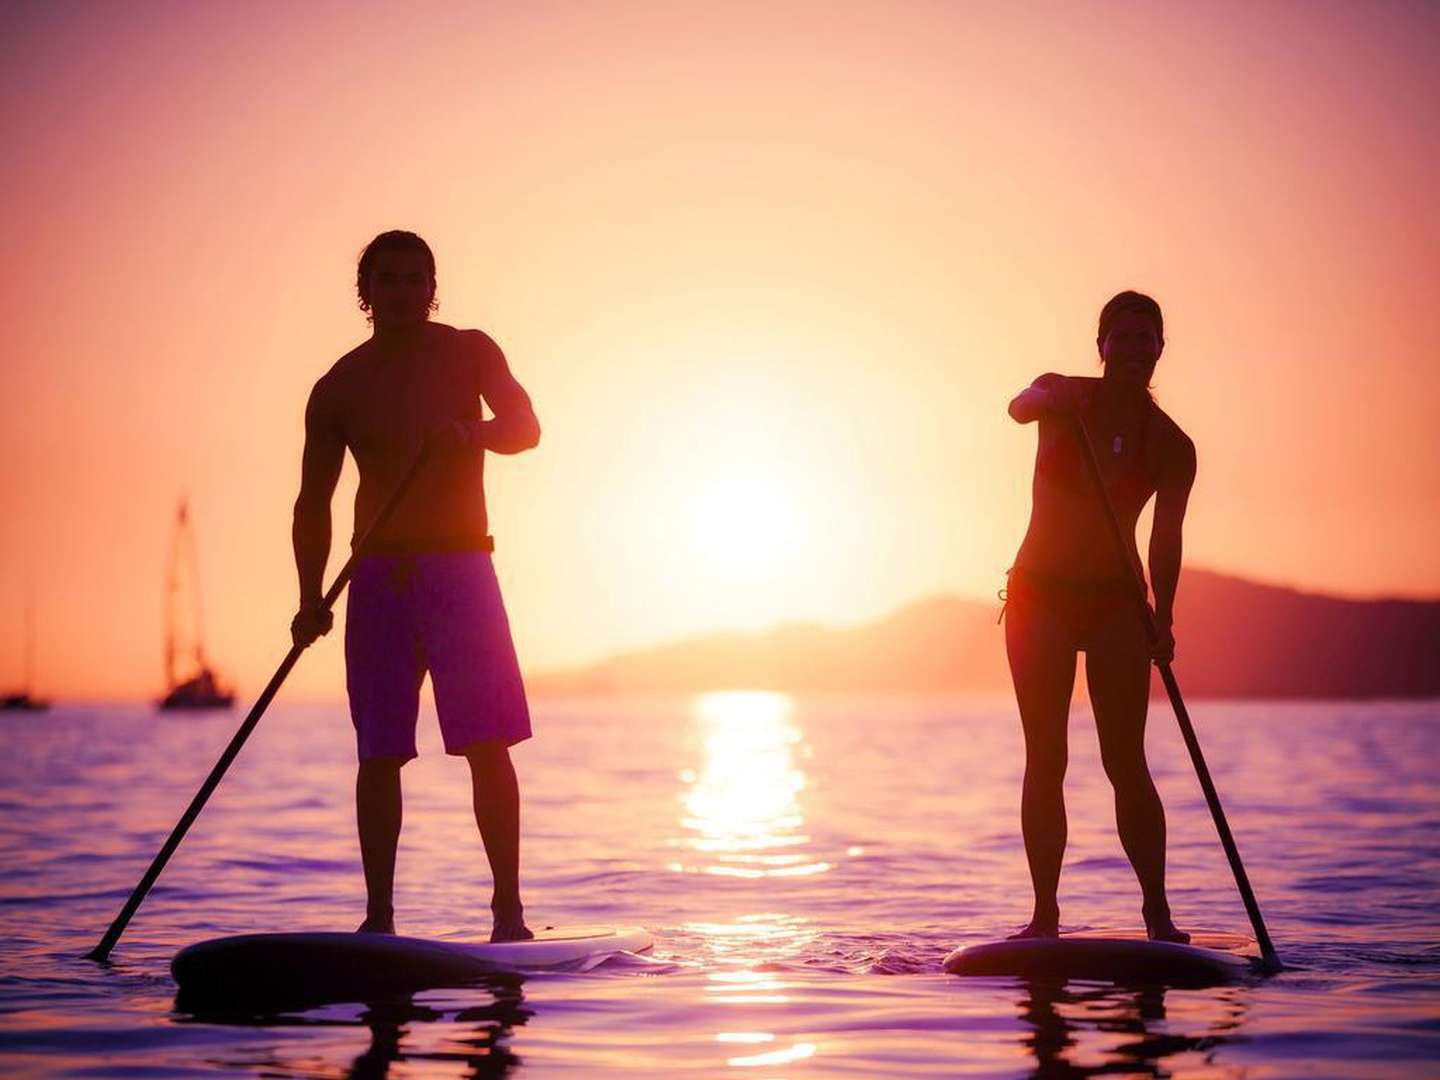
(193, 550)
(29, 639)
(172, 590)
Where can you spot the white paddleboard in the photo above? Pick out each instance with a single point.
(252, 969)
(1123, 956)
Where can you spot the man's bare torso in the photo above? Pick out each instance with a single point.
(382, 402)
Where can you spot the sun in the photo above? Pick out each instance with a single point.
(743, 525)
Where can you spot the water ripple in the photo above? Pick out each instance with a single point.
(803, 866)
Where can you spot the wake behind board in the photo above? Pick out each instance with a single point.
(1122, 956)
(262, 969)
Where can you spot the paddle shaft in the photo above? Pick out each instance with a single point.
(1182, 715)
(112, 935)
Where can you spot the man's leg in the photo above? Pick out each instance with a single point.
(378, 812)
(384, 669)
(497, 813)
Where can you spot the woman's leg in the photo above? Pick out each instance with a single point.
(1042, 666)
(1117, 667)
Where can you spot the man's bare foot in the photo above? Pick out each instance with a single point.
(1041, 926)
(509, 924)
(1160, 928)
(515, 930)
(380, 922)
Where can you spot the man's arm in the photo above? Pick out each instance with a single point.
(1171, 499)
(514, 427)
(319, 472)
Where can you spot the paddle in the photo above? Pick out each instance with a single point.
(102, 950)
(1270, 958)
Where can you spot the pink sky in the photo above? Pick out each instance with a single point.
(784, 260)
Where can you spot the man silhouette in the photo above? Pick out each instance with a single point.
(425, 596)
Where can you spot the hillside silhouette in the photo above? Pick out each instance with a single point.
(1235, 639)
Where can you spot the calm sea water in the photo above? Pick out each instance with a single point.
(804, 866)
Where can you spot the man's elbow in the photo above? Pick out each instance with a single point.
(514, 436)
(527, 436)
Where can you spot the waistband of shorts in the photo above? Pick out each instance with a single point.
(431, 545)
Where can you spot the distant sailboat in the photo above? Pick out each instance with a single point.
(22, 699)
(202, 689)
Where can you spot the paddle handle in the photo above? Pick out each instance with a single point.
(1182, 715)
(157, 865)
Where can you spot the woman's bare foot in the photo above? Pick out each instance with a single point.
(1159, 927)
(378, 922)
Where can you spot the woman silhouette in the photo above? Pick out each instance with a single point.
(1067, 593)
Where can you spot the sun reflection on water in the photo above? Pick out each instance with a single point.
(742, 811)
(742, 818)
(798, 1052)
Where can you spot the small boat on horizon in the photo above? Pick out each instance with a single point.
(23, 700)
(202, 689)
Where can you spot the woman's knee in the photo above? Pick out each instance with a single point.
(1127, 769)
(1045, 769)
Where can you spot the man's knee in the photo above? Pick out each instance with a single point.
(488, 755)
(377, 768)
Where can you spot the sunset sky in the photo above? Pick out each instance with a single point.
(770, 272)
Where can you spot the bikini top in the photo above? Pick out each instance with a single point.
(1060, 461)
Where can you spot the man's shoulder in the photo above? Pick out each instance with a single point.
(477, 343)
(482, 357)
(346, 364)
(468, 342)
(331, 388)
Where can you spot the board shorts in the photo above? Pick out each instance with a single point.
(436, 612)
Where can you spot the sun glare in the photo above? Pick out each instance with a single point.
(742, 810)
(743, 525)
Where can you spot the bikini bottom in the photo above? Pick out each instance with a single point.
(1082, 606)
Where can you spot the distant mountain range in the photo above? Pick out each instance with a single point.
(1236, 639)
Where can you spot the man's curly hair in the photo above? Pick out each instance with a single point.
(394, 240)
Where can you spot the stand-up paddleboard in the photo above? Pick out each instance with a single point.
(1122, 956)
(261, 968)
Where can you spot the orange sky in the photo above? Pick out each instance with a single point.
(779, 260)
